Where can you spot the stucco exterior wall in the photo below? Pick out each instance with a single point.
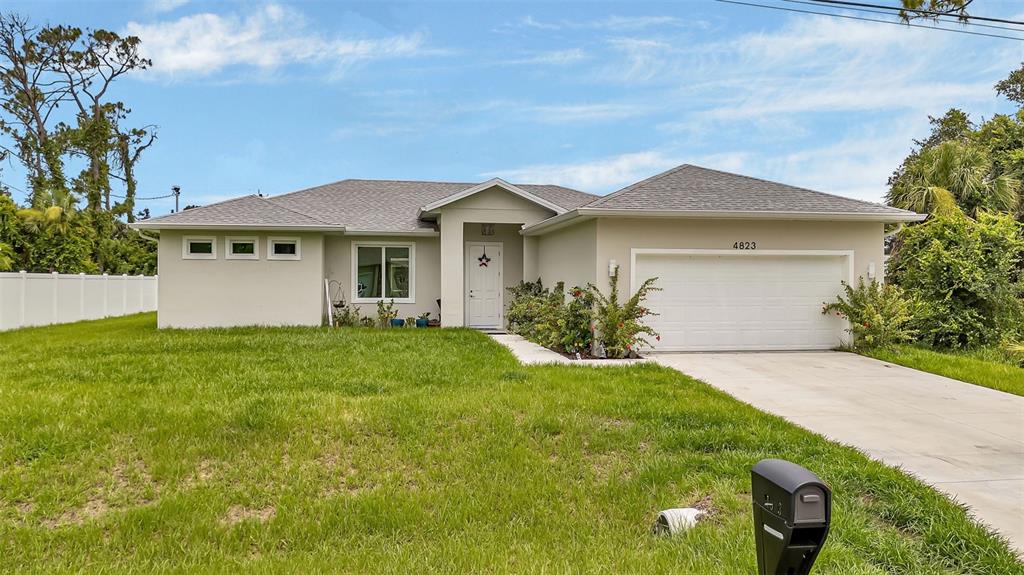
(616, 237)
(222, 292)
(488, 206)
(568, 255)
(338, 266)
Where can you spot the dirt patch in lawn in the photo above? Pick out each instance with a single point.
(239, 513)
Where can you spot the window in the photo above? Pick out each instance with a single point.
(242, 249)
(199, 248)
(284, 249)
(383, 271)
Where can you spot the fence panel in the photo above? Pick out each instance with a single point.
(42, 299)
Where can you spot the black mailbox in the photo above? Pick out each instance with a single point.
(792, 512)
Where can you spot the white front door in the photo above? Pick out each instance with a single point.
(484, 288)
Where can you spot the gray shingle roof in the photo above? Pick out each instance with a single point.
(693, 188)
(245, 211)
(362, 205)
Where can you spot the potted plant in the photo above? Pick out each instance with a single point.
(410, 322)
(423, 320)
(397, 322)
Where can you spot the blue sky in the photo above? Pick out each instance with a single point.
(279, 96)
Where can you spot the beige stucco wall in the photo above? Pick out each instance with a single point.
(568, 255)
(222, 292)
(616, 237)
(338, 266)
(493, 205)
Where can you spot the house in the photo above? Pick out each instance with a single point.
(743, 263)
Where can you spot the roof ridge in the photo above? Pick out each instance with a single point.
(820, 193)
(304, 214)
(601, 199)
(187, 209)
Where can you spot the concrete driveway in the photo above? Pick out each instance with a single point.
(966, 440)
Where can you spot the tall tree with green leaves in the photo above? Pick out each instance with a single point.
(90, 61)
(954, 176)
(30, 95)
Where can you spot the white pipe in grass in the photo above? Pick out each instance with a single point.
(675, 521)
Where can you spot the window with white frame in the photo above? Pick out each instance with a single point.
(383, 271)
(242, 248)
(199, 248)
(284, 249)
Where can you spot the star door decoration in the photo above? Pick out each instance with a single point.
(484, 260)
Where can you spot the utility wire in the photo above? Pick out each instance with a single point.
(817, 3)
(1017, 38)
(925, 12)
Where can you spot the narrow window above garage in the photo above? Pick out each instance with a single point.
(383, 271)
(199, 248)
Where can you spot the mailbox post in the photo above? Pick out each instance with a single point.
(792, 512)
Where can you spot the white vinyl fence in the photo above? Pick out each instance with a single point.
(41, 299)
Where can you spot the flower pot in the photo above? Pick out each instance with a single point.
(421, 322)
(397, 322)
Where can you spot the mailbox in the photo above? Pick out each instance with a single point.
(792, 512)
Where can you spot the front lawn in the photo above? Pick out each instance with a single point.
(988, 368)
(407, 451)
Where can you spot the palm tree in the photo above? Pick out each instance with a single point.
(6, 257)
(954, 177)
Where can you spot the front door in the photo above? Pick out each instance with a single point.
(484, 289)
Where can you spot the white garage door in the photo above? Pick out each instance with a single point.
(741, 302)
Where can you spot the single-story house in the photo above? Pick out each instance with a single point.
(743, 263)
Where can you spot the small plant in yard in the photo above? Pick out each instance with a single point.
(386, 312)
(346, 315)
(423, 320)
(621, 330)
(880, 315)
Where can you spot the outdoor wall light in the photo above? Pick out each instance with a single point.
(612, 267)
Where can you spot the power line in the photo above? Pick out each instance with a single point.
(925, 12)
(1017, 38)
(817, 3)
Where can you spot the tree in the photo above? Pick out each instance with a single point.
(31, 95)
(90, 61)
(933, 9)
(951, 177)
(1012, 87)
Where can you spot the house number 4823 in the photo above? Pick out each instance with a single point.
(744, 246)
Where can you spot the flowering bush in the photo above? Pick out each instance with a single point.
(621, 330)
(534, 312)
(575, 329)
(879, 314)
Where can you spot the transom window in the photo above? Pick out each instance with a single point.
(284, 249)
(242, 249)
(383, 271)
(199, 248)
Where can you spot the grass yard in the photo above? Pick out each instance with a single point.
(987, 367)
(306, 450)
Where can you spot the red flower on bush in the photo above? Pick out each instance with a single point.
(657, 337)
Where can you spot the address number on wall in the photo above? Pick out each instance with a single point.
(744, 246)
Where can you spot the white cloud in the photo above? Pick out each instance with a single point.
(269, 38)
(161, 6)
(561, 114)
(592, 176)
(554, 58)
(612, 23)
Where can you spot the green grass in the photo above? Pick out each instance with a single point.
(990, 368)
(124, 448)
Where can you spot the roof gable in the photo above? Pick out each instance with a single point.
(493, 183)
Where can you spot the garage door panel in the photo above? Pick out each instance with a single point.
(714, 302)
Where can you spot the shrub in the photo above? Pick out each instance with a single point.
(576, 322)
(346, 315)
(967, 272)
(879, 314)
(534, 312)
(386, 312)
(620, 328)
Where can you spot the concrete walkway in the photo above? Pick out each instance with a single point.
(529, 353)
(966, 440)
